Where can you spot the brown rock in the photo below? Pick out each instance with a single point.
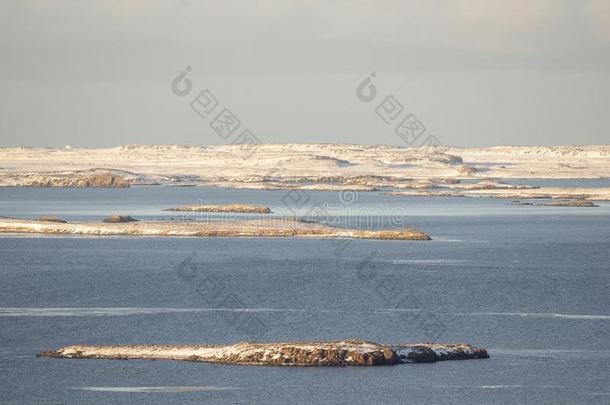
(51, 218)
(115, 219)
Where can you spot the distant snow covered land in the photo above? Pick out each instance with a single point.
(416, 171)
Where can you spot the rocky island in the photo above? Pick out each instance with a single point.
(324, 353)
(271, 227)
(574, 203)
(51, 218)
(116, 219)
(237, 208)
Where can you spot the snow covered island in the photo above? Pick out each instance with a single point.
(272, 227)
(325, 353)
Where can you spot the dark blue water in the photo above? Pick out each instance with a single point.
(529, 283)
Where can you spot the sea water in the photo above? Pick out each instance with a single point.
(529, 283)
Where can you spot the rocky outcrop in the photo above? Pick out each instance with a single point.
(575, 203)
(107, 180)
(467, 170)
(118, 219)
(325, 353)
(238, 208)
(51, 218)
(103, 180)
(271, 227)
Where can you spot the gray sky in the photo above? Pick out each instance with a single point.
(474, 72)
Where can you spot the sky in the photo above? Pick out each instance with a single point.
(466, 72)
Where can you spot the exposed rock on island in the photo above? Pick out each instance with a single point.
(51, 218)
(117, 219)
(238, 208)
(231, 228)
(576, 203)
(84, 178)
(326, 353)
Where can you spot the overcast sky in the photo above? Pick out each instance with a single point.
(473, 72)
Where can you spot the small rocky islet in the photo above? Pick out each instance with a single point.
(51, 218)
(118, 219)
(235, 208)
(573, 203)
(351, 352)
(559, 203)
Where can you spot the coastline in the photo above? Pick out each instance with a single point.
(322, 167)
(550, 193)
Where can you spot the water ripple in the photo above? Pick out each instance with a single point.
(167, 389)
(99, 311)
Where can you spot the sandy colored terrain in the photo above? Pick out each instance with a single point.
(231, 228)
(331, 353)
(306, 166)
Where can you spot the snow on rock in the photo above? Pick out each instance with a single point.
(324, 353)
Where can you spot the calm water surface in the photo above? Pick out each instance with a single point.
(528, 283)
